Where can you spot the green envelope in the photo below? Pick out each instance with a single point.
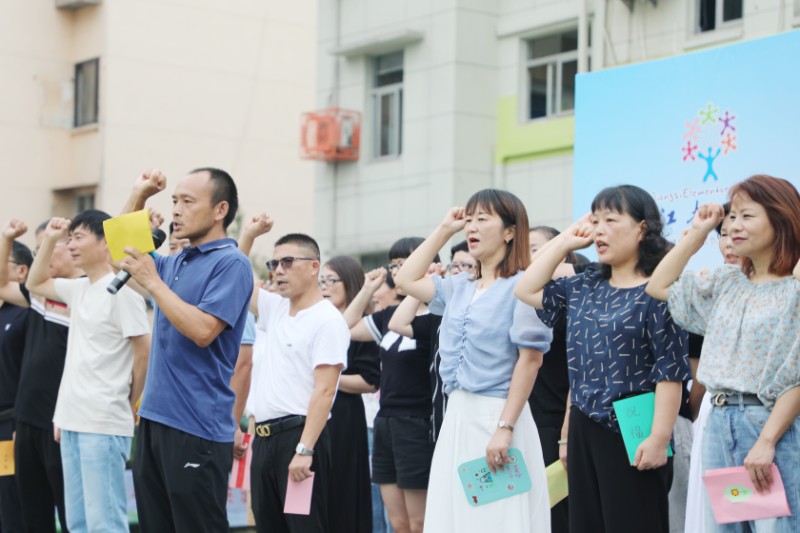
(635, 417)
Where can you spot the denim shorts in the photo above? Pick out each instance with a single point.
(730, 433)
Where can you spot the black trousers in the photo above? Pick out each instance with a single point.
(10, 511)
(269, 473)
(606, 493)
(181, 480)
(40, 479)
(549, 434)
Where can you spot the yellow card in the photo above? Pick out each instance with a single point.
(6, 458)
(132, 229)
(556, 482)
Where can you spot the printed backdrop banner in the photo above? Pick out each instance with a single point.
(687, 128)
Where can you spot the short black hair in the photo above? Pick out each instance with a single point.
(91, 220)
(460, 247)
(223, 190)
(43, 226)
(300, 239)
(390, 280)
(727, 208)
(21, 254)
(403, 248)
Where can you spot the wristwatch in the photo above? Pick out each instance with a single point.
(302, 450)
(505, 425)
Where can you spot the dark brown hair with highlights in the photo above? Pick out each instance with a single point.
(511, 211)
(781, 201)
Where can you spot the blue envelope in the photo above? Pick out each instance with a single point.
(481, 486)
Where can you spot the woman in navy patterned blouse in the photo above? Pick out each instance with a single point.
(620, 343)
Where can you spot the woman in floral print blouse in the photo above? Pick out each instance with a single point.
(750, 316)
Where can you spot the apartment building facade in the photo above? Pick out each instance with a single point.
(96, 91)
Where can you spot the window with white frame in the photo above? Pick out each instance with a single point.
(551, 63)
(87, 78)
(715, 14)
(387, 105)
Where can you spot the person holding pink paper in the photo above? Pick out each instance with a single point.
(304, 352)
(750, 316)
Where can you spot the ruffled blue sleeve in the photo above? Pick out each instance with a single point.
(528, 331)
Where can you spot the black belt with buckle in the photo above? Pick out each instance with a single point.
(269, 428)
(735, 399)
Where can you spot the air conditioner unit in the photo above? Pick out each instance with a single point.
(330, 135)
(75, 4)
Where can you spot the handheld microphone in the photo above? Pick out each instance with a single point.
(122, 276)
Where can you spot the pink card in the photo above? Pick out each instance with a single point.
(298, 496)
(240, 473)
(734, 498)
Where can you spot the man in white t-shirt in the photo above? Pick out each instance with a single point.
(304, 351)
(104, 371)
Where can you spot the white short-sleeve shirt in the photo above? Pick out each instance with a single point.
(94, 396)
(293, 347)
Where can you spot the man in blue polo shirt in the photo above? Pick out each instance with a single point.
(184, 448)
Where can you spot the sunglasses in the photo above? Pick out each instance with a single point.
(285, 262)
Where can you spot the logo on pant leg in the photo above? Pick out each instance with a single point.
(191, 465)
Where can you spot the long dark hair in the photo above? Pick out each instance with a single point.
(350, 272)
(640, 206)
(512, 212)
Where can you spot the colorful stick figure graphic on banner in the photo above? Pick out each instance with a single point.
(705, 140)
(687, 128)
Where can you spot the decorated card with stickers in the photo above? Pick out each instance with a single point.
(482, 486)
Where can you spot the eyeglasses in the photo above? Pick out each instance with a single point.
(392, 267)
(462, 266)
(330, 282)
(285, 262)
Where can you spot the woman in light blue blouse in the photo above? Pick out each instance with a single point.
(491, 348)
(750, 316)
(620, 343)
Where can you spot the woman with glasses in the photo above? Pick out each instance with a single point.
(460, 260)
(349, 496)
(491, 348)
(402, 452)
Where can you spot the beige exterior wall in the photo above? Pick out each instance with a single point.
(182, 85)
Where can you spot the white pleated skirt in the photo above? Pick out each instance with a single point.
(469, 423)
